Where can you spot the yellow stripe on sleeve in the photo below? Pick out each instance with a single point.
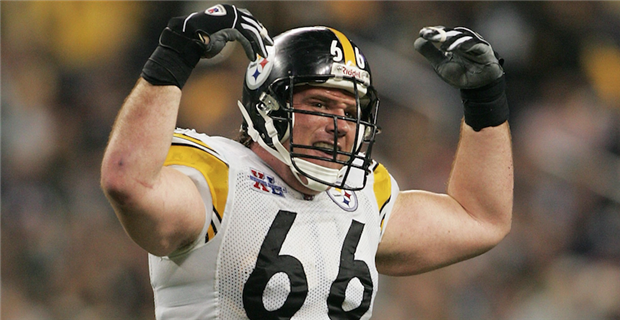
(212, 168)
(194, 140)
(382, 185)
(347, 48)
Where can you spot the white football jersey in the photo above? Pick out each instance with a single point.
(266, 251)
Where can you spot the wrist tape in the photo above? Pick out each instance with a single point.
(173, 60)
(486, 106)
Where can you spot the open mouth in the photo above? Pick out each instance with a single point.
(325, 148)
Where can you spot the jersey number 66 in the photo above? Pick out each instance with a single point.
(270, 262)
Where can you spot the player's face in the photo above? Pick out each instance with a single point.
(319, 131)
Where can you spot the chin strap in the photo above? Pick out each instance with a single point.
(328, 175)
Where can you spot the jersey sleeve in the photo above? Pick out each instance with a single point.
(205, 193)
(386, 190)
(191, 155)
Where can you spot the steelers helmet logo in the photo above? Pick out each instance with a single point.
(345, 199)
(259, 70)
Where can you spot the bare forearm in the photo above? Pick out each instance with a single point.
(482, 176)
(141, 137)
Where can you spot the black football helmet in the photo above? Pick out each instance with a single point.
(315, 56)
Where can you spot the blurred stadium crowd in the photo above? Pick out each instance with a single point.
(67, 66)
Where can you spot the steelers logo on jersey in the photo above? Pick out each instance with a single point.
(345, 199)
(259, 70)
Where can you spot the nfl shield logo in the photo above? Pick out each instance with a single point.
(217, 10)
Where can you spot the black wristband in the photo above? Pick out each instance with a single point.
(486, 106)
(173, 60)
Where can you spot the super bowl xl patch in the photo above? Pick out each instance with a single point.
(265, 183)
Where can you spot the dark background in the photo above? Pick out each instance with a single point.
(67, 66)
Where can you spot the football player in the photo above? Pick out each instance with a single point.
(295, 220)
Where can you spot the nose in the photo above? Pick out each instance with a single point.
(338, 126)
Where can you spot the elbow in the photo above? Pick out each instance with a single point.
(115, 194)
(115, 182)
(124, 176)
(501, 233)
(505, 223)
(114, 191)
(497, 218)
(501, 228)
(505, 228)
(494, 224)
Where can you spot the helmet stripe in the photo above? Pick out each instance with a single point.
(347, 48)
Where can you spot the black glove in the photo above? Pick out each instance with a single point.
(465, 60)
(203, 34)
(220, 24)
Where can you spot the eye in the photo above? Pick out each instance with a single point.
(350, 113)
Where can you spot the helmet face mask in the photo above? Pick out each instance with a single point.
(315, 57)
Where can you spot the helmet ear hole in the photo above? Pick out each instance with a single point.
(268, 103)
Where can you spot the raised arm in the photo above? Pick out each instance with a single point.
(428, 230)
(159, 207)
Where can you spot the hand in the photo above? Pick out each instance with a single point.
(463, 59)
(202, 35)
(220, 24)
